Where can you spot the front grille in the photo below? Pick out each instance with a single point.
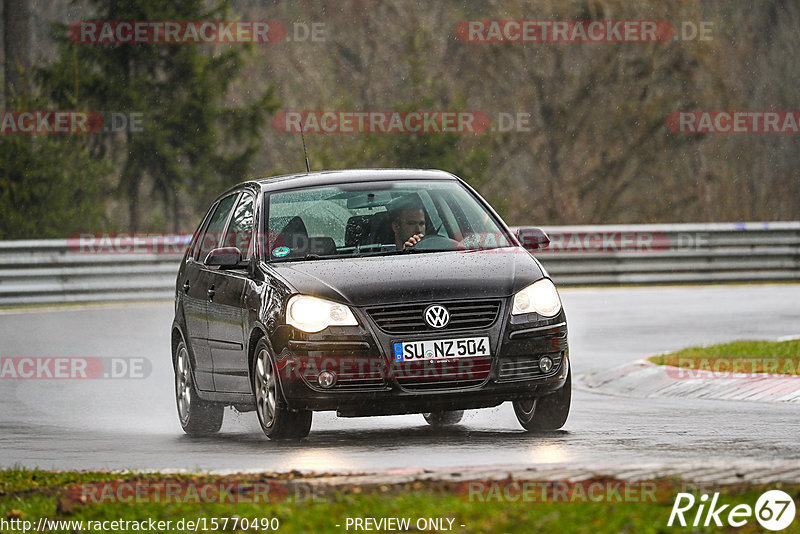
(410, 318)
(525, 367)
(442, 374)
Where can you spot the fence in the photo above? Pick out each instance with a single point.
(53, 271)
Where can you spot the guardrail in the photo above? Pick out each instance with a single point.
(58, 271)
(673, 253)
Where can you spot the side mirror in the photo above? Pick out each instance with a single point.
(532, 239)
(225, 258)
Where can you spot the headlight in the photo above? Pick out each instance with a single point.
(540, 297)
(311, 314)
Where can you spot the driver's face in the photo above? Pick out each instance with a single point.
(412, 222)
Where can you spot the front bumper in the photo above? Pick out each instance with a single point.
(368, 382)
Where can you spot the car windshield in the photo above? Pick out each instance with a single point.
(378, 218)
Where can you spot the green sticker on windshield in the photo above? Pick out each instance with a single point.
(281, 252)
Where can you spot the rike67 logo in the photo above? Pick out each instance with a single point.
(774, 510)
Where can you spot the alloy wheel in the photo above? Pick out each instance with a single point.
(183, 385)
(265, 389)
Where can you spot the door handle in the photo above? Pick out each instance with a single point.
(211, 293)
(186, 286)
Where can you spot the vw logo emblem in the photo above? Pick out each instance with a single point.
(437, 316)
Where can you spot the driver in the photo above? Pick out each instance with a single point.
(408, 225)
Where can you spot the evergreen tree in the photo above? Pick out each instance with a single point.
(193, 141)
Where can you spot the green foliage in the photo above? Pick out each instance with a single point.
(464, 155)
(780, 357)
(49, 186)
(29, 495)
(196, 139)
(18, 478)
(595, 148)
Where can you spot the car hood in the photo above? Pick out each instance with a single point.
(414, 277)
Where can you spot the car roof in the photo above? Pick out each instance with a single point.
(310, 179)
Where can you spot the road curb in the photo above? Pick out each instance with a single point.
(713, 472)
(644, 379)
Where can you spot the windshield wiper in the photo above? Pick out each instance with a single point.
(407, 250)
(307, 257)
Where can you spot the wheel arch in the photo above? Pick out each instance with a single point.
(255, 336)
(176, 338)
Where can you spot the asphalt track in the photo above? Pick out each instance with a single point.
(132, 423)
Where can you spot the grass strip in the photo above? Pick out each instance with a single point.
(773, 357)
(290, 503)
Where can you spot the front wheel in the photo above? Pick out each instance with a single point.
(545, 413)
(198, 417)
(277, 421)
(443, 418)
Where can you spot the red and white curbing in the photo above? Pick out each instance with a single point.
(642, 378)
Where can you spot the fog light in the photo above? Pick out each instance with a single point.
(545, 364)
(326, 379)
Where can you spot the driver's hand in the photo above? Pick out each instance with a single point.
(413, 240)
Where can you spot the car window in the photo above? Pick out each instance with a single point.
(211, 237)
(194, 245)
(357, 219)
(240, 229)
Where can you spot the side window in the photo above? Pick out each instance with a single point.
(240, 229)
(194, 246)
(216, 225)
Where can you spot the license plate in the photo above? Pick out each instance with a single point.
(441, 349)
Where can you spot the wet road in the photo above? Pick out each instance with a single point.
(132, 423)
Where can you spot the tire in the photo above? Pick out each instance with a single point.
(197, 416)
(439, 419)
(545, 413)
(276, 419)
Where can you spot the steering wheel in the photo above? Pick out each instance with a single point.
(437, 242)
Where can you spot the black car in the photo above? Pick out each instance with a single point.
(367, 292)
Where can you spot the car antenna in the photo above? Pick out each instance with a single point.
(305, 153)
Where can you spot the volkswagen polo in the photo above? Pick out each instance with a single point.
(365, 292)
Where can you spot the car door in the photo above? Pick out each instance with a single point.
(196, 286)
(225, 311)
(193, 303)
(194, 310)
